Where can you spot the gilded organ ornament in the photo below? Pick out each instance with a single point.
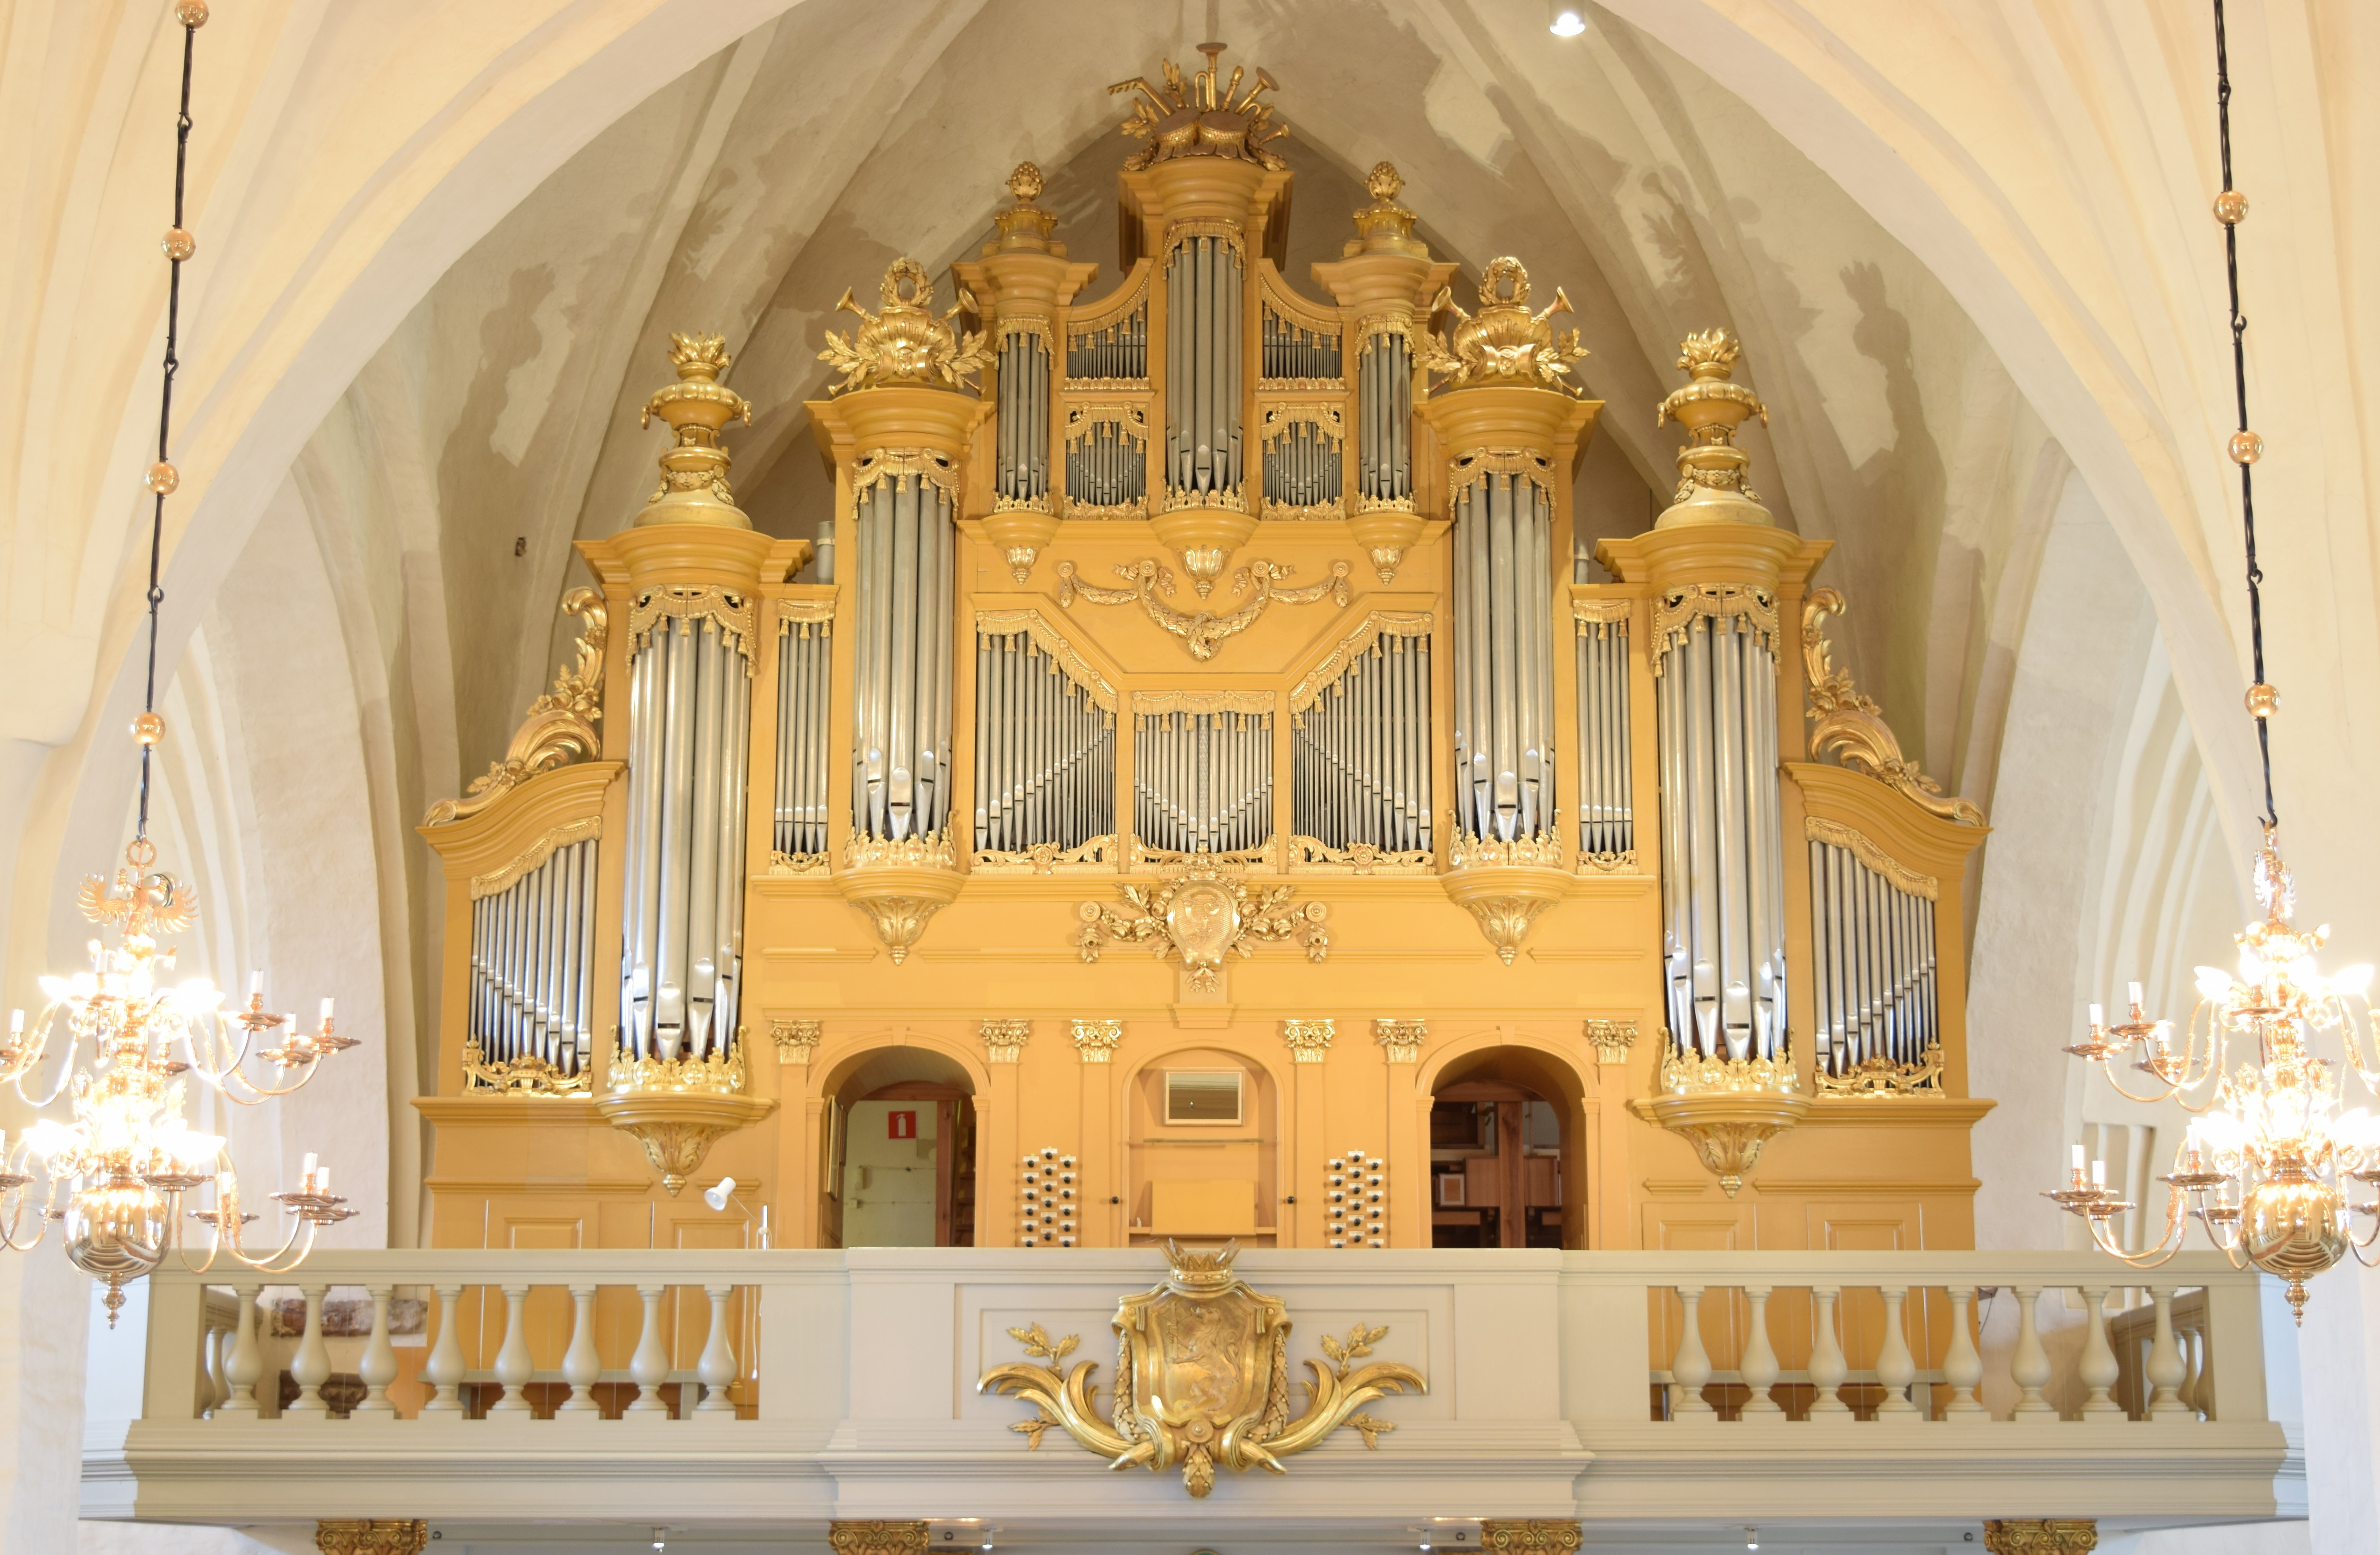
(1202, 631)
(1202, 1379)
(560, 727)
(1201, 912)
(1503, 342)
(903, 342)
(1194, 116)
(1851, 727)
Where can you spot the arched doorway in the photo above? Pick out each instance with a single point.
(901, 1168)
(1507, 1152)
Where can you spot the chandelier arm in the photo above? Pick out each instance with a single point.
(2170, 1093)
(2163, 1253)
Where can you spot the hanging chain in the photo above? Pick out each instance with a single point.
(2246, 445)
(163, 476)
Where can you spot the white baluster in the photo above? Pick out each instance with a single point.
(1964, 1367)
(649, 1366)
(1896, 1368)
(718, 1366)
(445, 1368)
(512, 1357)
(311, 1367)
(1691, 1368)
(2098, 1369)
(1759, 1364)
(213, 1388)
(379, 1367)
(2030, 1366)
(581, 1365)
(247, 1363)
(2193, 1371)
(1827, 1367)
(2165, 1370)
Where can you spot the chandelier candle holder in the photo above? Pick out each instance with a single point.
(2267, 1161)
(116, 1175)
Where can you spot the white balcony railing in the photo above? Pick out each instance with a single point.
(782, 1388)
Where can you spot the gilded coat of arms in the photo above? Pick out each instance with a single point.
(1202, 1379)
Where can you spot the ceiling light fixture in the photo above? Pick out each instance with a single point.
(129, 1154)
(2265, 1162)
(1565, 20)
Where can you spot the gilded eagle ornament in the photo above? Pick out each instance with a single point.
(1202, 1379)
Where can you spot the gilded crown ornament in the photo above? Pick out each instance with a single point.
(694, 487)
(1503, 342)
(1202, 1377)
(903, 341)
(1194, 116)
(1711, 469)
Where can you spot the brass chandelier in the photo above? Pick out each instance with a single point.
(116, 1173)
(2268, 1156)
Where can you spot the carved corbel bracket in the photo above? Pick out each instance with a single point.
(900, 885)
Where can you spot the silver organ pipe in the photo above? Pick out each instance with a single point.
(689, 709)
(1204, 284)
(1290, 351)
(1723, 941)
(901, 746)
(1873, 948)
(804, 654)
(1359, 757)
(1202, 779)
(1106, 466)
(1113, 353)
(1384, 411)
(1022, 470)
(1503, 671)
(1607, 813)
(531, 944)
(1302, 468)
(1045, 751)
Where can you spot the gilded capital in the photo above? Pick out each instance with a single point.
(1309, 1040)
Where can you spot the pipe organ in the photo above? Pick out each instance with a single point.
(1242, 621)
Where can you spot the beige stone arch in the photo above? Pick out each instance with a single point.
(1276, 1130)
(870, 1060)
(1561, 1072)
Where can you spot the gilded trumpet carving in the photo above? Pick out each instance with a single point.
(560, 727)
(1202, 1379)
(1851, 727)
(903, 341)
(1503, 342)
(1199, 115)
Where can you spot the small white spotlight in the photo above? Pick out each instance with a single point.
(1750, 1538)
(719, 1194)
(1565, 20)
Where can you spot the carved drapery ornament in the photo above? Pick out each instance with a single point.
(1202, 1377)
(730, 611)
(1835, 834)
(1200, 116)
(1851, 727)
(930, 466)
(1202, 632)
(904, 342)
(1504, 342)
(560, 727)
(1199, 913)
(1515, 464)
(1678, 608)
(1375, 625)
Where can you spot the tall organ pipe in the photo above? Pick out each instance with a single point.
(1503, 679)
(1204, 296)
(1722, 866)
(690, 706)
(901, 662)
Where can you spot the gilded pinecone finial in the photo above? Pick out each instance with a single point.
(1025, 226)
(1384, 224)
(1383, 182)
(1504, 340)
(903, 341)
(1025, 183)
